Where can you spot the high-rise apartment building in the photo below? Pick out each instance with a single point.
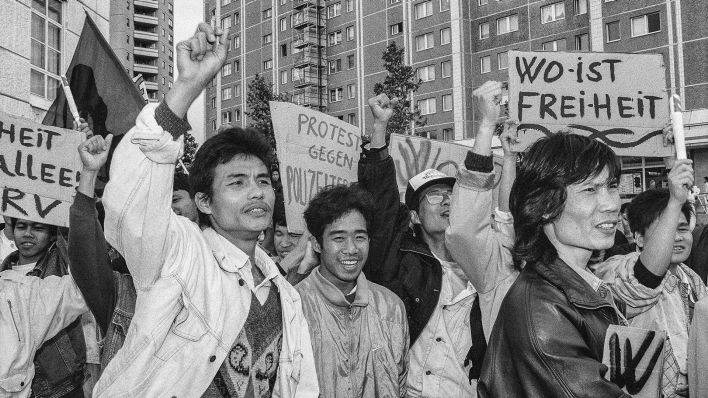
(327, 54)
(142, 35)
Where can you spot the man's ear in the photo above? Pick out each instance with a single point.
(203, 202)
(415, 218)
(315, 245)
(639, 239)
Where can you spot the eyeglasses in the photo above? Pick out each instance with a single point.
(435, 198)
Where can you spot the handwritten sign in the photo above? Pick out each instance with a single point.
(315, 150)
(619, 99)
(39, 170)
(635, 360)
(413, 155)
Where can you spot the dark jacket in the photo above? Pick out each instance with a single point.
(59, 363)
(548, 338)
(698, 260)
(401, 261)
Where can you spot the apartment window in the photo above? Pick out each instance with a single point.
(447, 102)
(334, 10)
(351, 91)
(226, 94)
(582, 42)
(350, 33)
(612, 31)
(127, 22)
(351, 61)
(445, 36)
(580, 6)
(237, 41)
(484, 30)
(225, 2)
(283, 76)
(444, 5)
(553, 12)
(237, 17)
(284, 50)
(351, 118)
(483, 2)
(424, 42)
(426, 73)
(283, 2)
(226, 70)
(267, 13)
(396, 28)
(162, 31)
(446, 69)
(335, 38)
(424, 9)
(350, 5)
(237, 115)
(268, 64)
(237, 65)
(485, 64)
(395, 1)
(225, 117)
(213, 125)
(267, 39)
(335, 66)
(645, 24)
(554, 45)
(283, 24)
(507, 24)
(335, 95)
(448, 134)
(46, 47)
(127, 39)
(427, 106)
(503, 60)
(237, 90)
(213, 102)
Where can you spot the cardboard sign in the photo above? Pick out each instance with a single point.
(413, 155)
(315, 150)
(39, 170)
(635, 359)
(619, 99)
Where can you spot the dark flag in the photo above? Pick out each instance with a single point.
(105, 94)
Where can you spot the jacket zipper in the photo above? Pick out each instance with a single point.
(12, 316)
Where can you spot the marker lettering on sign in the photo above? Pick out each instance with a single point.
(26, 136)
(310, 125)
(13, 198)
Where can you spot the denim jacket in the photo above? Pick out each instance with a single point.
(122, 316)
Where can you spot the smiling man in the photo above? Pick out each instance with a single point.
(341, 305)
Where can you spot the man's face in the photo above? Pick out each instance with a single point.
(242, 198)
(683, 239)
(284, 242)
(344, 249)
(589, 218)
(183, 205)
(435, 217)
(32, 240)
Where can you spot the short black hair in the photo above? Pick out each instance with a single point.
(181, 183)
(279, 211)
(220, 149)
(646, 208)
(335, 201)
(539, 193)
(624, 207)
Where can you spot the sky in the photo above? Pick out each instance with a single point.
(188, 14)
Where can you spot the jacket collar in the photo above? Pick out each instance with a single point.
(336, 297)
(575, 288)
(412, 243)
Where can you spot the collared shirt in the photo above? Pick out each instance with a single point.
(600, 287)
(437, 366)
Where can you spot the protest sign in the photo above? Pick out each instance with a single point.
(619, 99)
(314, 150)
(635, 359)
(412, 155)
(39, 170)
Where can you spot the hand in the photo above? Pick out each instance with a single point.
(83, 127)
(310, 261)
(94, 152)
(509, 137)
(201, 57)
(488, 98)
(680, 180)
(382, 108)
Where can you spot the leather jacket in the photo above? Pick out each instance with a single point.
(548, 338)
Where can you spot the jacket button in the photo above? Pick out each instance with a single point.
(241, 282)
(427, 372)
(212, 358)
(417, 300)
(22, 384)
(439, 339)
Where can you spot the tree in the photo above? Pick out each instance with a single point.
(190, 149)
(260, 91)
(401, 82)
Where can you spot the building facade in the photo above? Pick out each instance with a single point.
(142, 35)
(37, 43)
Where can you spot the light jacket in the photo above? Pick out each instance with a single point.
(32, 311)
(361, 348)
(192, 300)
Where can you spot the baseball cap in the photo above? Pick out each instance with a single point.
(417, 184)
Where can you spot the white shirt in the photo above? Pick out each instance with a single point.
(7, 246)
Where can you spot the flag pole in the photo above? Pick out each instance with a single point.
(70, 99)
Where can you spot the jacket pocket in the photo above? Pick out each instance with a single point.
(186, 327)
(15, 383)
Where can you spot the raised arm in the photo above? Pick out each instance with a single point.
(139, 222)
(88, 253)
(377, 174)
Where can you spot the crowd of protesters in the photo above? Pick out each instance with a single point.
(164, 286)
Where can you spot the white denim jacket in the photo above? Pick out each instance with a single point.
(32, 311)
(192, 301)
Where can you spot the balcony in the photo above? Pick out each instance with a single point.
(145, 52)
(310, 56)
(309, 77)
(146, 4)
(307, 3)
(147, 36)
(308, 16)
(145, 19)
(145, 69)
(309, 37)
(310, 96)
(151, 86)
